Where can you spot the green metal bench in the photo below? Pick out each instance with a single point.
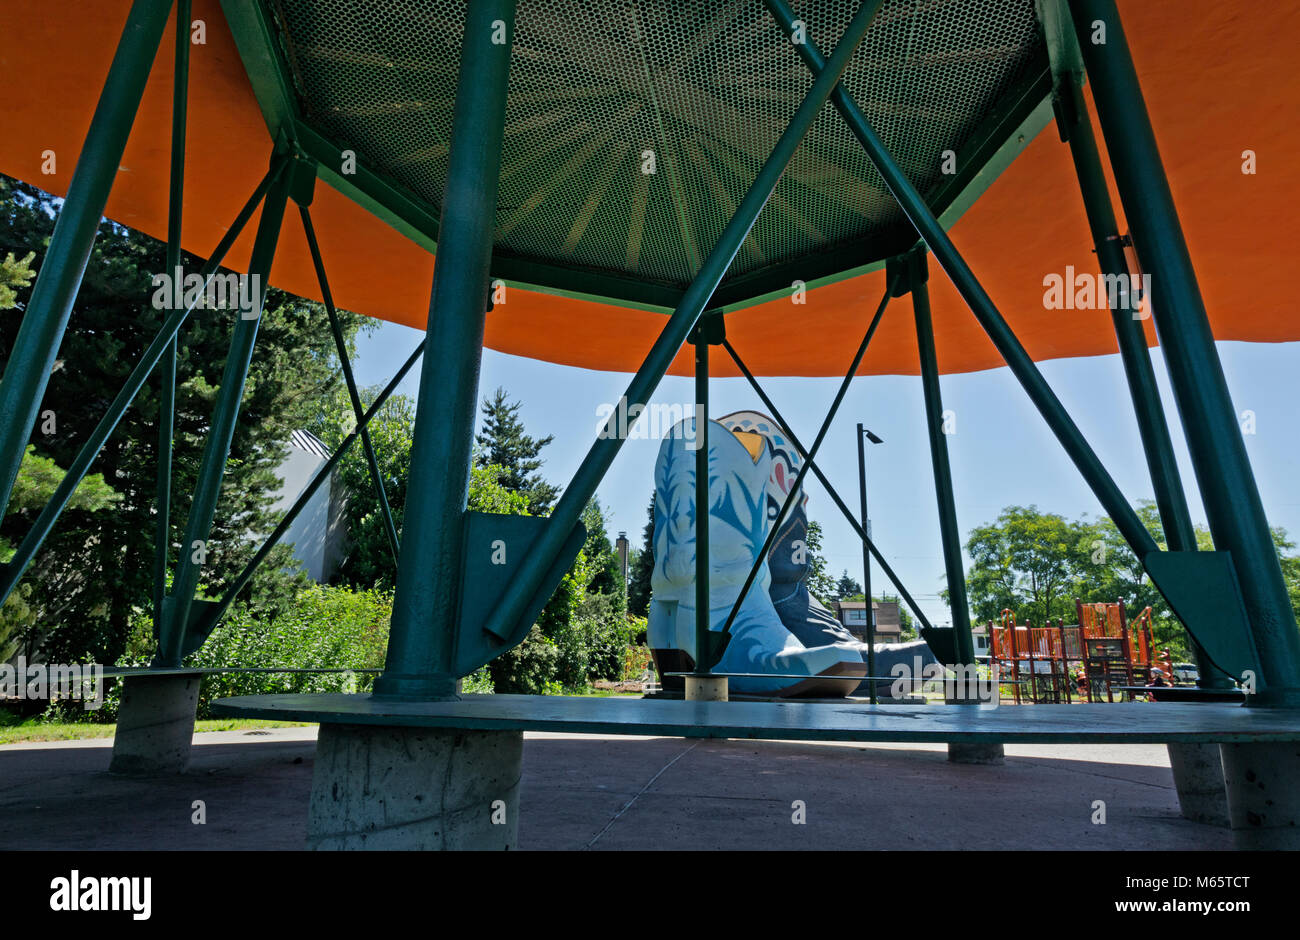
(1126, 723)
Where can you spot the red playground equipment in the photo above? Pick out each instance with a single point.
(1103, 649)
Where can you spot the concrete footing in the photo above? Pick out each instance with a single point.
(1263, 798)
(1198, 776)
(421, 789)
(155, 724)
(973, 752)
(706, 688)
(976, 753)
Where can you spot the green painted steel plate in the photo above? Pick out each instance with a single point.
(1135, 723)
(603, 91)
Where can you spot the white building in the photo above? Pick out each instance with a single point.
(319, 533)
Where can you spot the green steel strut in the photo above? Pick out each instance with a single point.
(80, 465)
(27, 371)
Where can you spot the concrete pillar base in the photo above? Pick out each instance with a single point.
(155, 725)
(1198, 775)
(1263, 798)
(706, 688)
(378, 787)
(975, 753)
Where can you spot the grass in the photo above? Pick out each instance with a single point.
(34, 729)
(605, 693)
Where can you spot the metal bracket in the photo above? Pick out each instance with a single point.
(495, 547)
(203, 618)
(907, 271)
(302, 179)
(1202, 590)
(711, 328)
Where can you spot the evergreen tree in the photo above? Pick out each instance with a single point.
(638, 588)
(96, 569)
(846, 587)
(503, 443)
(607, 574)
(820, 584)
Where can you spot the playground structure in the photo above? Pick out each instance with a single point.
(427, 118)
(1038, 662)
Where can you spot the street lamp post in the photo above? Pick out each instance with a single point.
(866, 558)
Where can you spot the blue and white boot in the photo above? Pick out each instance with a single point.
(761, 654)
(802, 614)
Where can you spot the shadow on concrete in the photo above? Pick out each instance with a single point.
(632, 793)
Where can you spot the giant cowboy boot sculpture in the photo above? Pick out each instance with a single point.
(790, 564)
(761, 655)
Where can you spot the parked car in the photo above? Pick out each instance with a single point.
(1186, 672)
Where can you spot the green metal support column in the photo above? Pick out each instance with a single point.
(703, 607)
(1175, 517)
(421, 642)
(997, 329)
(207, 489)
(950, 534)
(167, 366)
(568, 510)
(32, 357)
(1223, 472)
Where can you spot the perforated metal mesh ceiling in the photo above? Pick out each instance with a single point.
(707, 86)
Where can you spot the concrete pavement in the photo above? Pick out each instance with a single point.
(597, 792)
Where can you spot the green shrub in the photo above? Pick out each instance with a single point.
(477, 683)
(606, 633)
(528, 669)
(326, 628)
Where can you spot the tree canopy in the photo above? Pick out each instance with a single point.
(1035, 564)
(502, 442)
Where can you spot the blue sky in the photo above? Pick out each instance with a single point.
(1002, 452)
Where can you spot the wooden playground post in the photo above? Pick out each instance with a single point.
(1065, 661)
(1009, 629)
(1128, 645)
(1033, 663)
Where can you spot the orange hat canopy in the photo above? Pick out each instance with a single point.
(630, 139)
